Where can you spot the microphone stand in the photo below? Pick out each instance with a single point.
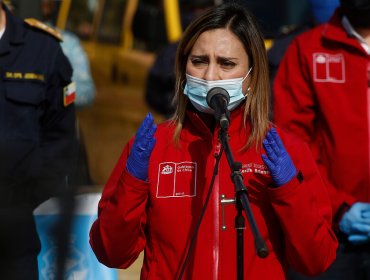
(242, 202)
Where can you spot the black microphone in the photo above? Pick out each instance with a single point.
(218, 99)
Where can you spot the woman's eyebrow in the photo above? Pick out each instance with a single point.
(219, 58)
(226, 58)
(203, 56)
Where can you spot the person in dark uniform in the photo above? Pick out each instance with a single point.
(37, 136)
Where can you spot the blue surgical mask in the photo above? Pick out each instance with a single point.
(196, 89)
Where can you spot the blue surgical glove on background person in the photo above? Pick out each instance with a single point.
(277, 159)
(356, 223)
(138, 161)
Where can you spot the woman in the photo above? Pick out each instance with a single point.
(157, 193)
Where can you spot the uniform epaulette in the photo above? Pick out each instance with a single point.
(38, 24)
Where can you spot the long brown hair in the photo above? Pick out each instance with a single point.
(242, 23)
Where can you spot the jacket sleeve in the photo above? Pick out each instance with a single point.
(304, 211)
(52, 164)
(295, 109)
(117, 236)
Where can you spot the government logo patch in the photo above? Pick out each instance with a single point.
(177, 179)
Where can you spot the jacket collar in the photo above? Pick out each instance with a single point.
(334, 31)
(195, 122)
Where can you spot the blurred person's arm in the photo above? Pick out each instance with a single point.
(54, 161)
(85, 86)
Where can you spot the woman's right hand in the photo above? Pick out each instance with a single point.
(138, 161)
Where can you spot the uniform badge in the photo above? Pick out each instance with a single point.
(69, 94)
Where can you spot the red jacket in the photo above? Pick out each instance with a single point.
(321, 94)
(159, 216)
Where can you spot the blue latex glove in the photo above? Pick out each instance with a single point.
(356, 223)
(357, 239)
(278, 161)
(363, 235)
(138, 160)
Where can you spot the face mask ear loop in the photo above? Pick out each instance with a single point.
(250, 69)
(249, 88)
(182, 84)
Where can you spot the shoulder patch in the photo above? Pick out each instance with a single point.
(40, 25)
(69, 94)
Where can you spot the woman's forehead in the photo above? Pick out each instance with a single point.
(220, 42)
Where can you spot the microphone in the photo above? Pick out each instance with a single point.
(218, 99)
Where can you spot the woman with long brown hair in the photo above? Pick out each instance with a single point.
(171, 193)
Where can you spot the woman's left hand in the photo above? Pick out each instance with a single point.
(277, 159)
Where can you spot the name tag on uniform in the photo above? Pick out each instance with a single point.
(69, 94)
(24, 76)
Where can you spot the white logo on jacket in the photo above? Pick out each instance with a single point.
(167, 170)
(328, 68)
(177, 179)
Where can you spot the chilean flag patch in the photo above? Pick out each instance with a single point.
(69, 94)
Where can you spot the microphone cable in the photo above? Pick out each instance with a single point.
(195, 233)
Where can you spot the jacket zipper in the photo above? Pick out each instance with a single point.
(215, 198)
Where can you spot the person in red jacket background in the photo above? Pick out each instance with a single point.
(170, 192)
(322, 94)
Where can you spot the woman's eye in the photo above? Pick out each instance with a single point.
(198, 61)
(228, 64)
